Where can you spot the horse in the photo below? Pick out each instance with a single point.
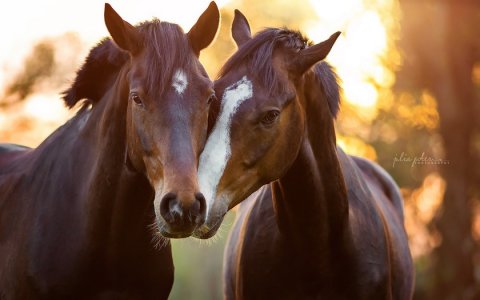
(81, 213)
(320, 224)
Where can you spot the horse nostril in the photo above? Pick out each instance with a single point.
(195, 208)
(178, 212)
(167, 205)
(200, 207)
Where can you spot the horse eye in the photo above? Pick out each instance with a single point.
(270, 117)
(136, 98)
(212, 98)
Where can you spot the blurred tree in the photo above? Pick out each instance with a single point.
(46, 68)
(440, 41)
(260, 14)
(38, 65)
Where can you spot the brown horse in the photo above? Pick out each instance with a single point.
(329, 225)
(76, 213)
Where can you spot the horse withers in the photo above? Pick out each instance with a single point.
(78, 213)
(327, 225)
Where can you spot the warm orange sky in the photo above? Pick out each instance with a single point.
(368, 29)
(24, 22)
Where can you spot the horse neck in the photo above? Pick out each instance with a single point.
(310, 201)
(110, 180)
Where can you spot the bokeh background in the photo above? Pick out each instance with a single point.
(410, 72)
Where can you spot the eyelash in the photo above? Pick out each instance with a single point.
(136, 98)
(270, 117)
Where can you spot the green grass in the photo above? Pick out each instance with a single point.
(198, 265)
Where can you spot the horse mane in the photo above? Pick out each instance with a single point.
(103, 60)
(329, 82)
(258, 52)
(166, 47)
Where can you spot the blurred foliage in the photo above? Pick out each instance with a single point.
(440, 62)
(406, 124)
(38, 65)
(198, 265)
(45, 68)
(260, 14)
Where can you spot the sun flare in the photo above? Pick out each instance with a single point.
(360, 51)
(358, 57)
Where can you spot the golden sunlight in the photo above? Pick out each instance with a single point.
(356, 146)
(362, 48)
(420, 207)
(75, 27)
(50, 18)
(70, 29)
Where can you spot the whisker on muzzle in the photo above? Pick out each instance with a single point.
(158, 240)
(221, 232)
(208, 242)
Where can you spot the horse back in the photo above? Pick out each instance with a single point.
(8, 148)
(376, 175)
(9, 152)
(388, 203)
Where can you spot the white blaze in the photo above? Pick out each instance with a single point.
(180, 81)
(217, 150)
(158, 186)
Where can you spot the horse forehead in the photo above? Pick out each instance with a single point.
(180, 81)
(217, 151)
(235, 94)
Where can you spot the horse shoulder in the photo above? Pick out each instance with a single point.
(390, 203)
(233, 247)
(387, 199)
(368, 234)
(254, 254)
(376, 211)
(377, 176)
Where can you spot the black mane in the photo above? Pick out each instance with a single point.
(166, 47)
(104, 60)
(258, 52)
(328, 80)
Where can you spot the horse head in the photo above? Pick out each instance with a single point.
(262, 122)
(169, 95)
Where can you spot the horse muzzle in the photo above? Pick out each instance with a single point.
(182, 213)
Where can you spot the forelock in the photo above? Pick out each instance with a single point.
(167, 49)
(257, 55)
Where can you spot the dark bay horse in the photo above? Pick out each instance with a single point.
(78, 213)
(329, 225)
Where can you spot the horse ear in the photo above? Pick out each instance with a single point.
(306, 58)
(204, 30)
(122, 32)
(240, 29)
